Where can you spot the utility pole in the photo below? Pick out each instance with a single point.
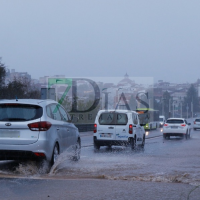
(181, 109)
(169, 108)
(192, 108)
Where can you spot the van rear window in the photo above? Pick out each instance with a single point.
(197, 120)
(113, 119)
(175, 121)
(19, 112)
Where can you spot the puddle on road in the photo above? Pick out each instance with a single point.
(119, 163)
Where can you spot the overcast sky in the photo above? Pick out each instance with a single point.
(86, 38)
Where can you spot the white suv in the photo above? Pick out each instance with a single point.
(118, 127)
(176, 127)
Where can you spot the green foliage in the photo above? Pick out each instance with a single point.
(20, 88)
(2, 73)
(191, 96)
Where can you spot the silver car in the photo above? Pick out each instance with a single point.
(196, 124)
(36, 129)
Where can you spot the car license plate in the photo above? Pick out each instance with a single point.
(10, 134)
(174, 126)
(106, 135)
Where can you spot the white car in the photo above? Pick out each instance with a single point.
(176, 127)
(161, 120)
(196, 124)
(118, 127)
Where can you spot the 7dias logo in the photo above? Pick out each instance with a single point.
(76, 90)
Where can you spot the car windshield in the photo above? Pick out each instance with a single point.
(161, 119)
(175, 121)
(113, 119)
(19, 112)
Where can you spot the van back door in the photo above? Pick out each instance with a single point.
(106, 126)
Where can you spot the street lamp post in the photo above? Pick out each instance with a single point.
(173, 106)
(169, 108)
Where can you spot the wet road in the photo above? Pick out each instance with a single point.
(163, 165)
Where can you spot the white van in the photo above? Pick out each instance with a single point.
(118, 127)
(162, 120)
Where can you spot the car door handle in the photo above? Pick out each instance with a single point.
(111, 127)
(58, 129)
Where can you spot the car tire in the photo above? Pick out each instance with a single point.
(186, 136)
(55, 154)
(195, 129)
(143, 142)
(96, 146)
(164, 136)
(133, 143)
(77, 151)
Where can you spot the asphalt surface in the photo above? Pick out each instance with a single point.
(164, 169)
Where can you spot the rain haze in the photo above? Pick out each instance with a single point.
(157, 39)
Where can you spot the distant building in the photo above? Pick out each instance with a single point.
(11, 75)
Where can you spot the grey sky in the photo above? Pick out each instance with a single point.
(102, 38)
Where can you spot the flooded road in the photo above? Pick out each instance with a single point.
(161, 162)
(174, 160)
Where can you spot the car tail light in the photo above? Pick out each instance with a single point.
(38, 154)
(95, 128)
(183, 125)
(194, 122)
(39, 126)
(130, 128)
(165, 124)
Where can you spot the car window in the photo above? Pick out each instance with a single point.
(135, 119)
(122, 119)
(64, 116)
(49, 112)
(55, 112)
(175, 121)
(113, 119)
(197, 120)
(20, 112)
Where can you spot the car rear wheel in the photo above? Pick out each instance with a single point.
(133, 143)
(55, 154)
(77, 151)
(143, 142)
(96, 146)
(186, 136)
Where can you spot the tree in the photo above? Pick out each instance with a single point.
(165, 100)
(2, 73)
(191, 97)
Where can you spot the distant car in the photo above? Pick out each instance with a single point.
(36, 129)
(196, 124)
(176, 127)
(162, 120)
(118, 127)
